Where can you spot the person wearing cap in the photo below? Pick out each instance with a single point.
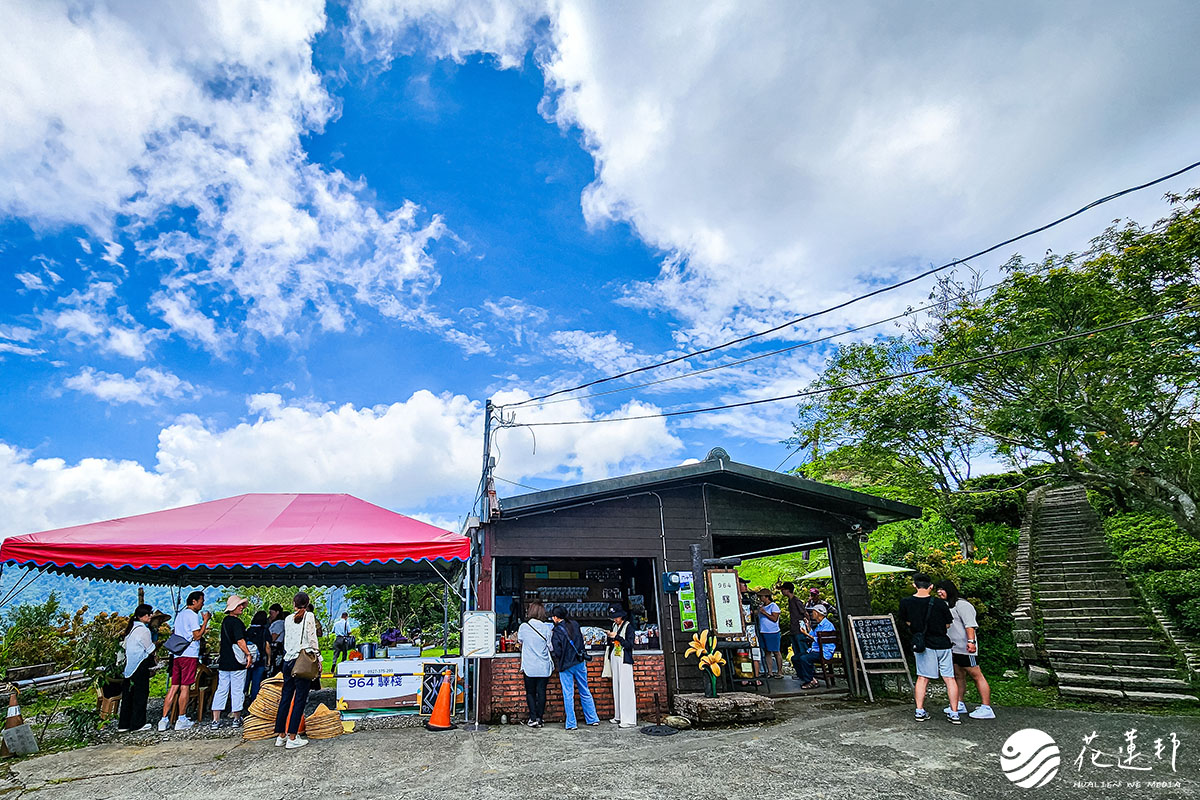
(767, 614)
(804, 665)
(235, 658)
(618, 664)
(569, 651)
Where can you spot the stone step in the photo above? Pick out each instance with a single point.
(1119, 696)
(1116, 659)
(1120, 670)
(1079, 594)
(1092, 583)
(1074, 619)
(1056, 632)
(1099, 644)
(1091, 605)
(1137, 683)
(1092, 561)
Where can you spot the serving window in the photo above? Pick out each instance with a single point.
(586, 587)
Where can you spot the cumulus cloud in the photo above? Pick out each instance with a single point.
(180, 126)
(605, 352)
(786, 155)
(419, 456)
(147, 387)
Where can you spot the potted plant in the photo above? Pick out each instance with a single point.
(704, 648)
(97, 646)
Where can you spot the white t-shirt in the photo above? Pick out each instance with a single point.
(765, 624)
(276, 630)
(534, 636)
(962, 615)
(188, 622)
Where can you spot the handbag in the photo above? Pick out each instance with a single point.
(918, 637)
(308, 662)
(176, 644)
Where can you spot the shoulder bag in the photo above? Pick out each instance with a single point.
(308, 662)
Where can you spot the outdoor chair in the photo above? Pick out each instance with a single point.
(828, 665)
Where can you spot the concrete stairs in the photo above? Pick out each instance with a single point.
(1096, 634)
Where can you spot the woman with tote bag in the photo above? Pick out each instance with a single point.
(301, 664)
(618, 663)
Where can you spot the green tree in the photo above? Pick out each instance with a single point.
(908, 433)
(1116, 410)
(412, 609)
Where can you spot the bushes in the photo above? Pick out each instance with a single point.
(1155, 547)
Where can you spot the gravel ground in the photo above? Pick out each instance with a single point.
(818, 749)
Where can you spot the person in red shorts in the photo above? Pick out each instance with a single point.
(190, 624)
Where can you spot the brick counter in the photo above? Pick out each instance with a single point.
(504, 689)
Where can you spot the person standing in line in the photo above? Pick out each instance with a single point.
(814, 599)
(300, 633)
(275, 629)
(928, 618)
(259, 642)
(569, 651)
(797, 623)
(233, 660)
(618, 665)
(965, 652)
(139, 661)
(343, 642)
(536, 664)
(189, 624)
(768, 614)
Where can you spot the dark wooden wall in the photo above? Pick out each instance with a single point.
(630, 527)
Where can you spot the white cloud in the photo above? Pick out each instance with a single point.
(420, 456)
(178, 310)
(604, 351)
(202, 107)
(20, 350)
(85, 318)
(786, 156)
(146, 387)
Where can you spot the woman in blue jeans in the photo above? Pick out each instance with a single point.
(569, 652)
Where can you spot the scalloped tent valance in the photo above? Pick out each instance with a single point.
(250, 540)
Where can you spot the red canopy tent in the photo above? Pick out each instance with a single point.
(250, 540)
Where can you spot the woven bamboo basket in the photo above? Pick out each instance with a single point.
(323, 723)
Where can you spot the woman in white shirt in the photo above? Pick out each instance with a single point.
(139, 661)
(300, 633)
(534, 635)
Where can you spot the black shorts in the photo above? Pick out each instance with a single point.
(965, 660)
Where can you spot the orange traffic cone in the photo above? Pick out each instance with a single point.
(439, 720)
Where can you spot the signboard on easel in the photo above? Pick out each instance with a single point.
(876, 648)
(725, 602)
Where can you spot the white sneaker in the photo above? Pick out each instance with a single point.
(983, 712)
(280, 741)
(163, 724)
(962, 708)
(628, 725)
(615, 720)
(294, 743)
(146, 727)
(183, 724)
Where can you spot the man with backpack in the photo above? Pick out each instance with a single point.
(928, 619)
(184, 644)
(569, 652)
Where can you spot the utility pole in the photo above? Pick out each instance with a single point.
(486, 480)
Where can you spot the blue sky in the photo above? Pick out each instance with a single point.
(295, 247)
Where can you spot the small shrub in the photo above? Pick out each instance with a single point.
(1174, 588)
(83, 722)
(1158, 555)
(1189, 615)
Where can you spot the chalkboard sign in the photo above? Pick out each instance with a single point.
(876, 639)
(875, 643)
(431, 684)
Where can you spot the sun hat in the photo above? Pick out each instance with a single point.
(234, 601)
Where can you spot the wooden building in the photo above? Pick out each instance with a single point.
(588, 545)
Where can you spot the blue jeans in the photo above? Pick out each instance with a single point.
(570, 678)
(804, 666)
(257, 673)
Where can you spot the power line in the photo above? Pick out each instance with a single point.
(769, 353)
(516, 483)
(873, 293)
(872, 381)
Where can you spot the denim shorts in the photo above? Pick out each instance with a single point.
(935, 663)
(769, 641)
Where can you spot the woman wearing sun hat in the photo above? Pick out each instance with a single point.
(618, 663)
(234, 659)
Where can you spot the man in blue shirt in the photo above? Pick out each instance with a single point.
(805, 663)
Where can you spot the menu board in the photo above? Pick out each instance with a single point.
(726, 602)
(479, 634)
(687, 602)
(876, 638)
